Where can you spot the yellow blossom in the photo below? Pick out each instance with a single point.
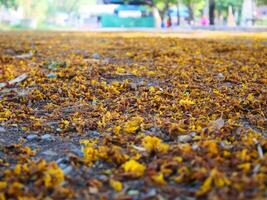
(245, 167)
(133, 125)
(205, 187)
(2, 196)
(152, 143)
(116, 185)
(17, 169)
(152, 89)
(117, 130)
(216, 178)
(3, 185)
(15, 187)
(250, 97)
(186, 102)
(56, 175)
(159, 178)
(134, 167)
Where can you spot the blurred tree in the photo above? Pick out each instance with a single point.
(8, 3)
(178, 12)
(261, 2)
(34, 10)
(162, 6)
(189, 5)
(222, 6)
(62, 6)
(67, 6)
(212, 12)
(38, 11)
(194, 7)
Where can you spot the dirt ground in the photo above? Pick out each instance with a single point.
(133, 115)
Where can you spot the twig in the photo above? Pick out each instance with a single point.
(18, 79)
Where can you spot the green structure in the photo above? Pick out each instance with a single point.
(128, 16)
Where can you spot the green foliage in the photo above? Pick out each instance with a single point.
(188, 2)
(163, 5)
(222, 6)
(8, 3)
(34, 9)
(194, 6)
(262, 2)
(68, 6)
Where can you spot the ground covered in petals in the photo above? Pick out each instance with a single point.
(133, 115)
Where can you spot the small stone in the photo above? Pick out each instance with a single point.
(216, 124)
(228, 84)
(62, 160)
(25, 55)
(49, 153)
(184, 138)
(47, 137)
(96, 56)
(32, 137)
(133, 86)
(63, 166)
(93, 190)
(67, 170)
(93, 134)
(220, 75)
(107, 60)
(82, 53)
(195, 147)
(10, 52)
(77, 152)
(161, 197)
(3, 85)
(256, 169)
(193, 134)
(185, 198)
(103, 178)
(133, 192)
(94, 102)
(225, 145)
(151, 193)
(2, 129)
(51, 75)
(55, 64)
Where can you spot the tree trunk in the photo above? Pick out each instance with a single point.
(191, 14)
(161, 14)
(157, 17)
(212, 12)
(169, 24)
(178, 13)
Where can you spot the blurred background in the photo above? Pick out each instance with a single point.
(161, 14)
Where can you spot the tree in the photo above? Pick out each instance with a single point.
(212, 12)
(189, 5)
(163, 6)
(178, 12)
(68, 7)
(261, 2)
(222, 7)
(8, 3)
(33, 9)
(194, 6)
